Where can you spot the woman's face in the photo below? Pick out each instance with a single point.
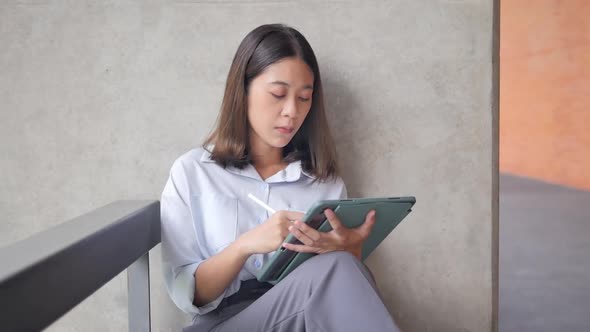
(278, 102)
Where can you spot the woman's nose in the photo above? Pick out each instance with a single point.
(290, 108)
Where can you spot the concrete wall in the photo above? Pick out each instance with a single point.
(97, 100)
(545, 76)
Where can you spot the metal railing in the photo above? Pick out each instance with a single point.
(46, 275)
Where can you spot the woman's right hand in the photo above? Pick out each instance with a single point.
(269, 235)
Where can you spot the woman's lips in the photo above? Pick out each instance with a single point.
(285, 130)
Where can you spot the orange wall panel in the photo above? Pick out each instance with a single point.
(545, 90)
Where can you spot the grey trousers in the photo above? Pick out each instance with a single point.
(328, 292)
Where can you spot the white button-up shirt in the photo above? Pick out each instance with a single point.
(205, 207)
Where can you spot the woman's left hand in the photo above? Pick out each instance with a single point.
(339, 238)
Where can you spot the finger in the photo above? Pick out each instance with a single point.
(301, 236)
(369, 223)
(293, 215)
(300, 248)
(286, 218)
(305, 229)
(333, 219)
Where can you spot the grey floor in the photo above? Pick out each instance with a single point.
(544, 257)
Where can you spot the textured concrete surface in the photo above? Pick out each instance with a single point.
(544, 260)
(98, 99)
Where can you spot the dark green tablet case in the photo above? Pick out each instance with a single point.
(351, 212)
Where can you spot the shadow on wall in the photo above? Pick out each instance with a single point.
(348, 122)
(346, 119)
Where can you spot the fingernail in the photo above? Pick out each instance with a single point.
(290, 228)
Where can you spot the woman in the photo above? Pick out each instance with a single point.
(271, 140)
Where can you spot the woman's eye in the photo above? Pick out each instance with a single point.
(277, 96)
(304, 99)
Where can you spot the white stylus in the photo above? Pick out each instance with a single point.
(261, 203)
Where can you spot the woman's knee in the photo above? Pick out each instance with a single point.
(346, 260)
(330, 259)
(331, 266)
(325, 264)
(340, 255)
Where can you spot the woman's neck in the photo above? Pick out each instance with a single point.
(267, 160)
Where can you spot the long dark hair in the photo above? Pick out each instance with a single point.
(312, 144)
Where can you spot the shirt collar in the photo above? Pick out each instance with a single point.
(291, 173)
(206, 156)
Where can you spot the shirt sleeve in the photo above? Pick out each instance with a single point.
(180, 251)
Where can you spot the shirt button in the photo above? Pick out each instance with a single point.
(257, 263)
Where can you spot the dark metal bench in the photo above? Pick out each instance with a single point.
(46, 275)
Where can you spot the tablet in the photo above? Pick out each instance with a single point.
(351, 212)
